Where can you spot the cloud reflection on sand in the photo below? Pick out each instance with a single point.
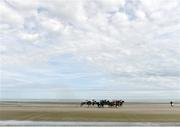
(89, 124)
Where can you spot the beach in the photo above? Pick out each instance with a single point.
(72, 111)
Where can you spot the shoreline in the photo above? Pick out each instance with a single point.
(89, 123)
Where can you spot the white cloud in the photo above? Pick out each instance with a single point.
(9, 16)
(120, 37)
(28, 36)
(51, 24)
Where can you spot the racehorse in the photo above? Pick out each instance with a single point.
(88, 103)
(115, 103)
(118, 103)
(102, 103)
(121, 103)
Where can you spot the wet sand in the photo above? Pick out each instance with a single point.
(51, 111)
(86, 124)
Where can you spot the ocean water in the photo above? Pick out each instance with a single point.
(12, 123)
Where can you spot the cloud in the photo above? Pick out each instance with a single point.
(131, 41)
(10, 17)
(28, 36)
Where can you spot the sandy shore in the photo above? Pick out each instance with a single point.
(73, 112)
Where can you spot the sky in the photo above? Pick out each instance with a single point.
(79, 49)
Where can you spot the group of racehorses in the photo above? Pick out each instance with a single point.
(102, 103)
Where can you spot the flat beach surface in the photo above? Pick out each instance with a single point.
(56, 111)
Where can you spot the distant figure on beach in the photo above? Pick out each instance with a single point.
(172, 104)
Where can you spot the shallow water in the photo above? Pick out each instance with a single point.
(11, 123)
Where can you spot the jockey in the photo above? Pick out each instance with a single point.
(172, 104)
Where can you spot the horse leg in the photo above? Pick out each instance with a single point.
(99, 105)
(81, 104)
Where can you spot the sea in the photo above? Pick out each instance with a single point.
(13, 123)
